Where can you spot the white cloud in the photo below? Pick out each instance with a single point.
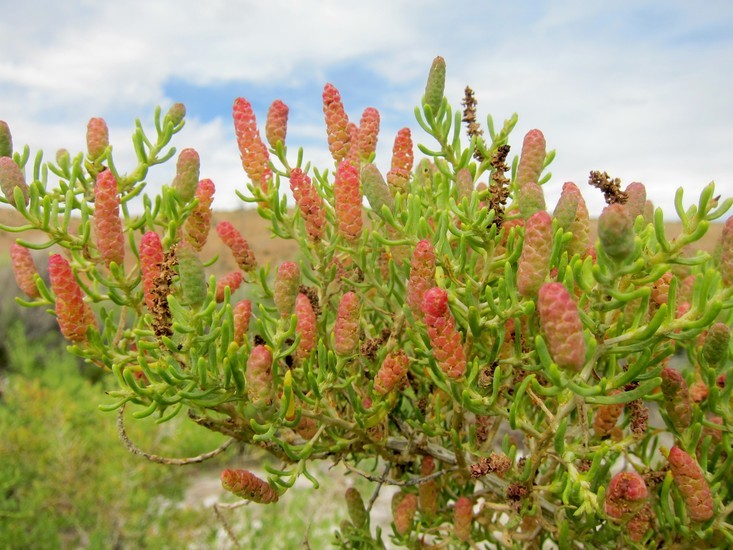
(641, 91)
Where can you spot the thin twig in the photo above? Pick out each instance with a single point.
(225, 523)
(160, 459)
(409, 483)
(380, 482)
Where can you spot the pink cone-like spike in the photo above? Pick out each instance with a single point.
(462, 518)
(402, 160)
(567, 206)
(726, 251)
(435, 86)
(561, 326)
(248, 486)
(188, 167)
(532, 158)
(422, 276)
(71, 312)
(240, 248)
(107, 222)
(306, 327)
(404, 506)
(534, 263)
(626, 494)
(579, 227)
(427, 491)
(445, 340)
(346, 331)
(368, 133)
(636, 201)
(198, 224)
(276, 127)
(676, 398)
(242, 312)
(309, 203)
(176, 114)
(6, 140)
(692, 485)
(336, 123)
(253, 151)
(347, 201)
(232, 280)
(258, 376)
(616, 232)
(287, 283)
(392, 372)
(11, 176)
(375, 188)
(531, 199)
(97, 138)
(24, 269)
(352, 157)
(151, 256)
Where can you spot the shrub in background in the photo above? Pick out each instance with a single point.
(499, 364)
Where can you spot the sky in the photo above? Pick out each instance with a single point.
(640, 89)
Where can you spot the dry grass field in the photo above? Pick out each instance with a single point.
(271, 250)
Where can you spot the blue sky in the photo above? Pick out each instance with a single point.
(643, 90)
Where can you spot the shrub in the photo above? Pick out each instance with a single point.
(498, 386)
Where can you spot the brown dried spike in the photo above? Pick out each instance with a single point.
(611, 188)
(473, 129)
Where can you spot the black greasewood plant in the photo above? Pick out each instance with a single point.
(452, 338)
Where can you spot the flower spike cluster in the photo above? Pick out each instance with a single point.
(561, 326)
(276, 127)
(198, 223)
(336, 123)
(107, 222)
(239, 246)
(444, 338)
(24, 269)
(309, 203)
(347, 201)
(246, 485)
(253, 151)
(72, 312)
(692, 485)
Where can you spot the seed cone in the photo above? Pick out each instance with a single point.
(306, 327)
(24, 270)
(287, 283)
(676, 398)
(532, 158)
(336, 123)
(347, 201)
(11, 176)
(435, 86)
(107, 222)
(561, 326)
(346, 331)
(276, 127)
(258, 376)
(72, 312)
(246, 485)
(242, 313)
(391, 373)
(626, 494)
(534, 263)
(692, 485)
(445, 340)
(240, 248)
